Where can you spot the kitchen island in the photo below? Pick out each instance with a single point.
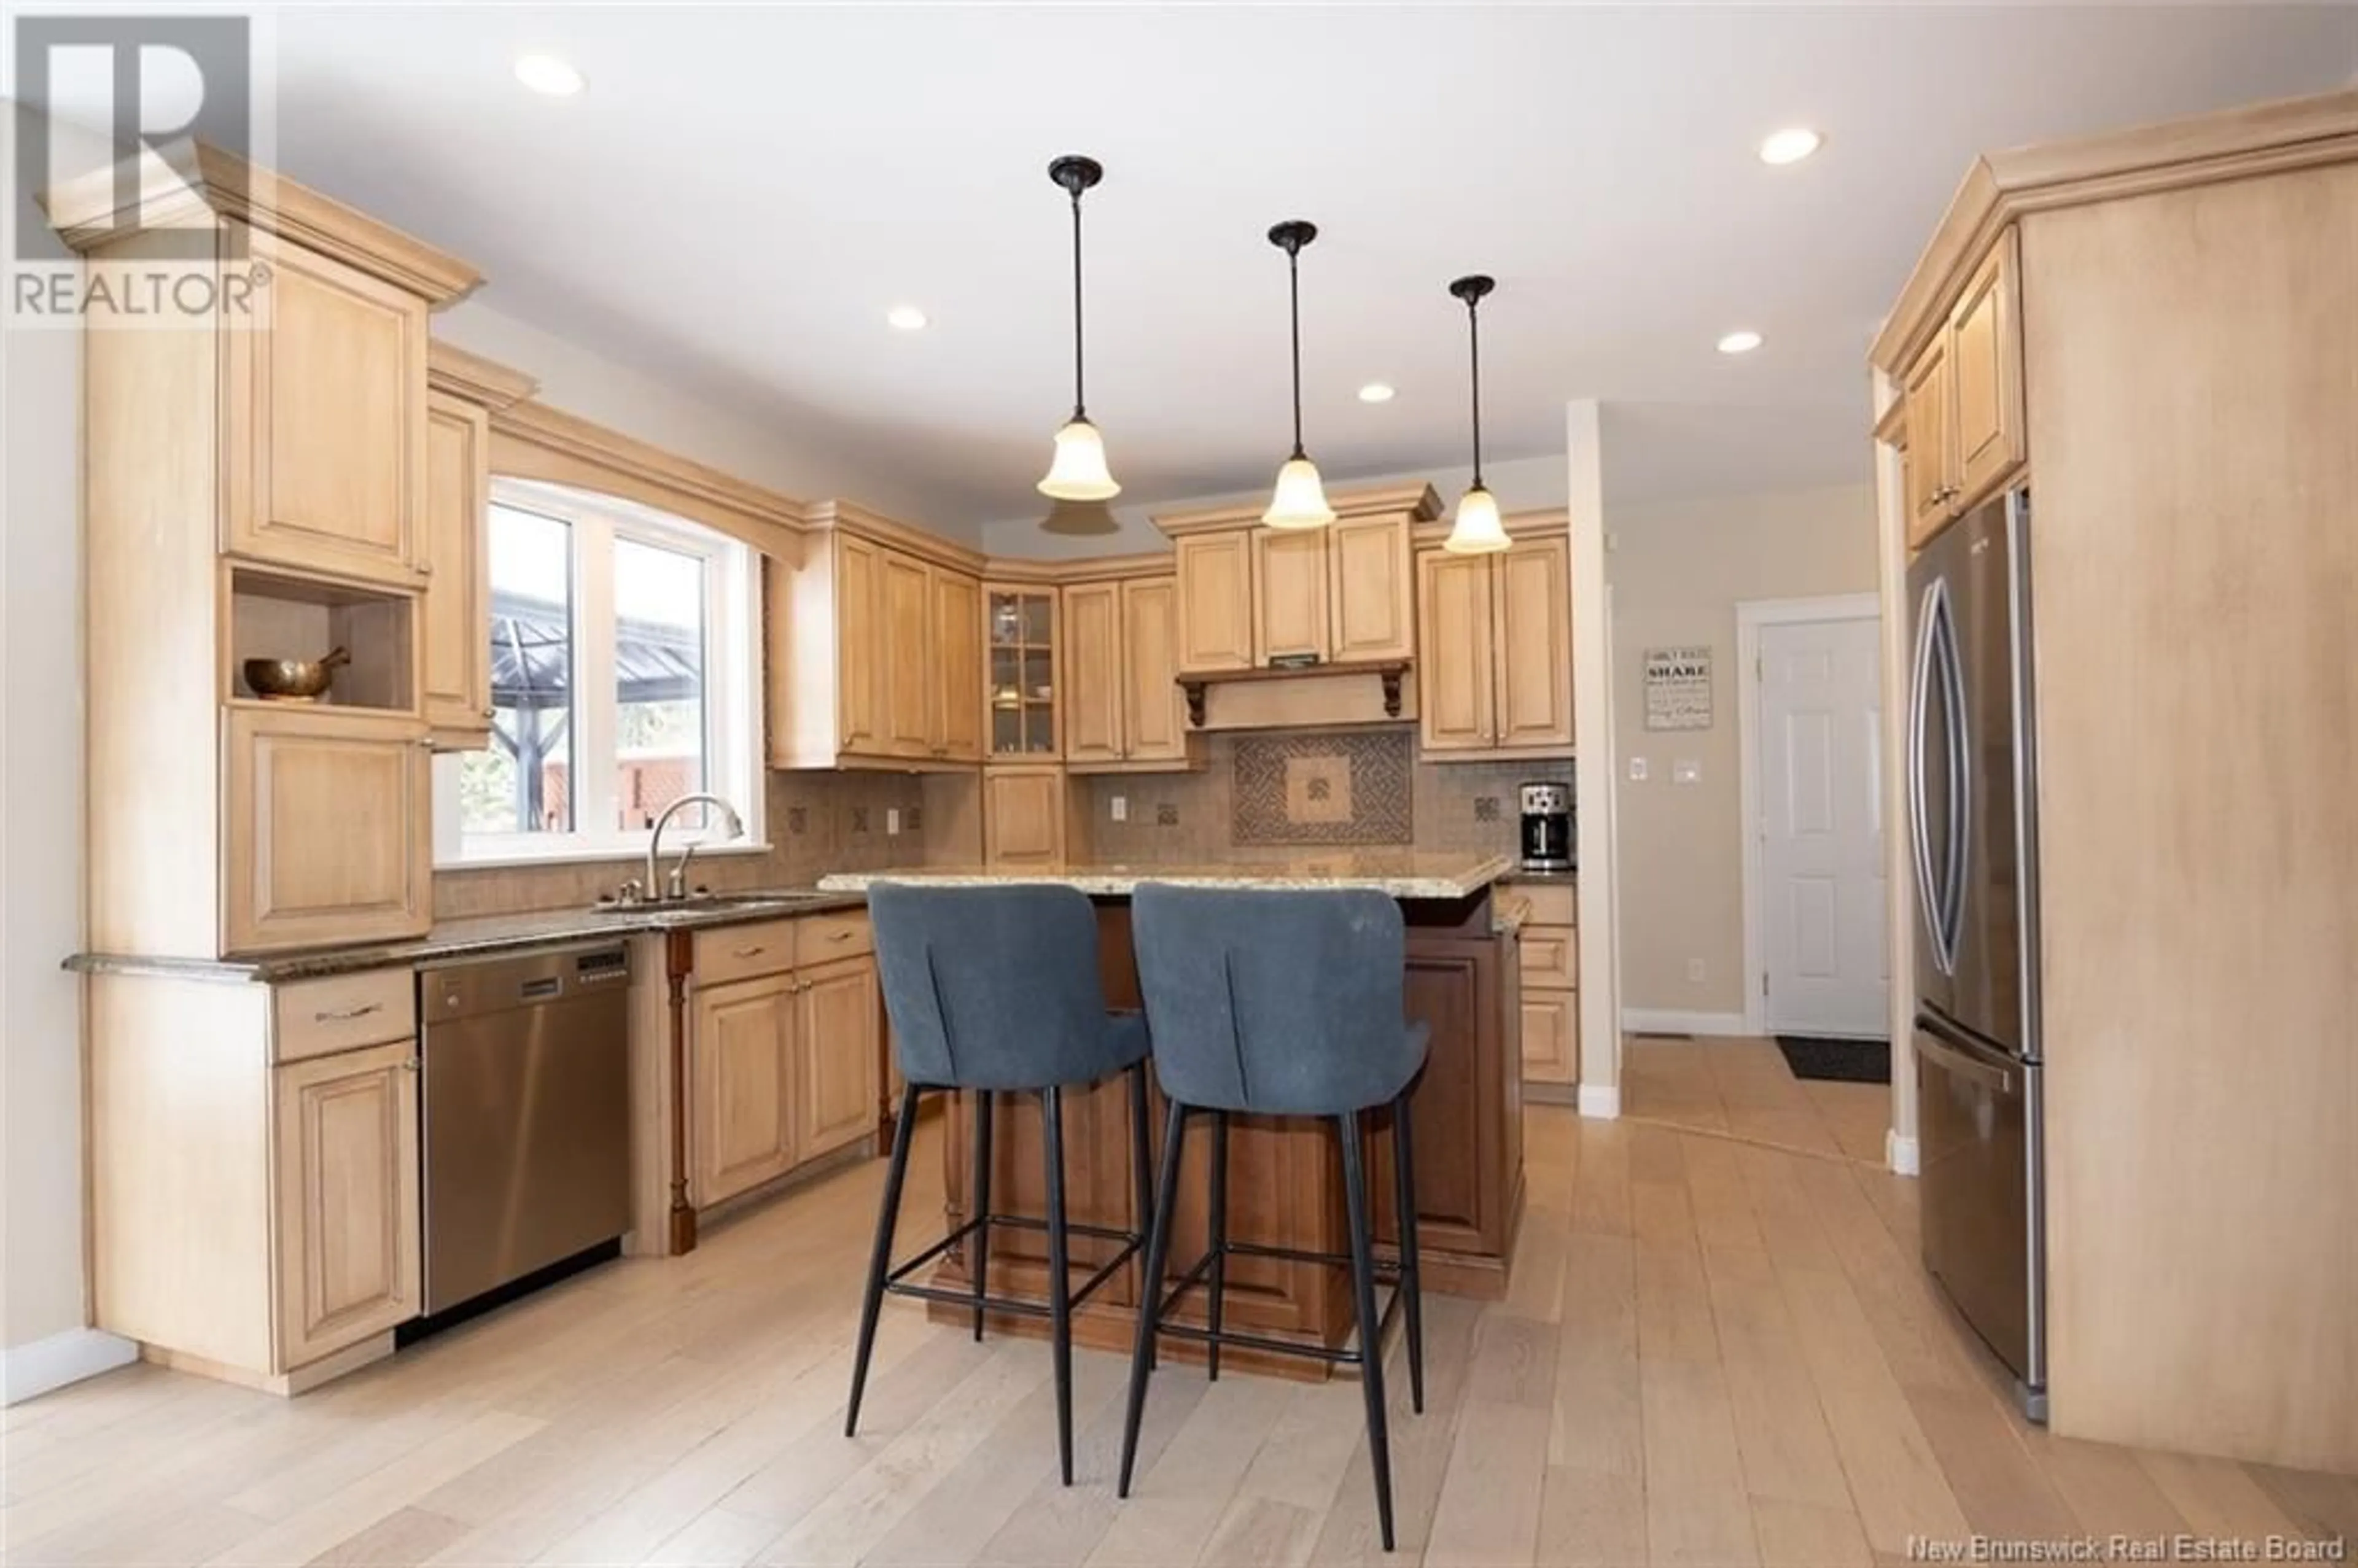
(1284, 1176)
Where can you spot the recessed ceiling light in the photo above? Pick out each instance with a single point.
(1790, 146)
(1376, 392)
(907, 318)
(1739, 342)
(546, 74)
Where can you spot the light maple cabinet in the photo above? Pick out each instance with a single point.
(1026, 816)
(1025, 685)
(874, 655)
(1551, 1037)
(1215, 601)
(454, 658)
(1371, 590)
(1094, 684)
(1290, 596)
(1964, 399)
(1494, 670)
(347, 1180)
(1124, 711)
(327, 827)
(1548, 961)
(784, 1068)
(325, 456)
(740, 1066)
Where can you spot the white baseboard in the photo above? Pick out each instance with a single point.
(1653, 1021)
(1900, 1153)
(1602, 1101)
(28, 1371)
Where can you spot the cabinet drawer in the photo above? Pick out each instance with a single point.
(314, 1018)
(742, 952)
(1550, 958)
(1552, 904)
(821, 937)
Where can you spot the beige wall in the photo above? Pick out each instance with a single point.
(1676, 575)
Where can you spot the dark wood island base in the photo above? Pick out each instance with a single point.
(1285, 1184)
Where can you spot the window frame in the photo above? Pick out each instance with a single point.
(735, 756)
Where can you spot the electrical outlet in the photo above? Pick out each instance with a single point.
(1637, 769)
(892, 820)
(1121, 808)
(1694, 969)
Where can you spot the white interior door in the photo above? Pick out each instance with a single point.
(1819, 771)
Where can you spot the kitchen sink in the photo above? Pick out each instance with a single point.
(784, 900)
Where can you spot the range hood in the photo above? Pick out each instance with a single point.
(1300, 696)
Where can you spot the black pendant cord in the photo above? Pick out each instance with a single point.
(1474, 341)
(1293, 291)
(1080, 410)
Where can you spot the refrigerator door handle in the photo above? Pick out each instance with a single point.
(1929, 897)
(1952, 665)
(1951, 1059)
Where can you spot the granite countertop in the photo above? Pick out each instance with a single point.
(1544, 878)
(1408, 874)
(480, 936)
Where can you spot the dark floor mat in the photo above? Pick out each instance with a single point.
(1837, 1061)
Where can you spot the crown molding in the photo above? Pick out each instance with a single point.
(201, 185)
(1419, 500)
(2234, 144)
(851, 517)
(475, 379)
(1541, 523)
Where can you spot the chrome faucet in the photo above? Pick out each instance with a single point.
(731, 826)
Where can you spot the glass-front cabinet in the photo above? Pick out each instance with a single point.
(1024, 695)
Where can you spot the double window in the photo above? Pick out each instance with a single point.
(625, 674)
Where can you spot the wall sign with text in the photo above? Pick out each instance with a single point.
(1678, 688)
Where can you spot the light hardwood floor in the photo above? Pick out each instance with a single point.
(1714, 1351)
(1742, 1087)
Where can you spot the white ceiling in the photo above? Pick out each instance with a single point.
(741, 193)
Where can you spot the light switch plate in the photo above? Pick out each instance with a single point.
(1637, 769)
(1686, 770)
(1121, 808)
(892, 819)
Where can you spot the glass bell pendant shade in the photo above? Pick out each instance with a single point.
(1077, 471)
(1300, 499)
(1477, 530)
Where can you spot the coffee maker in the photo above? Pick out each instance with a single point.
(1547, 826)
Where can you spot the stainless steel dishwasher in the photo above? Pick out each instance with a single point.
(526, 1106)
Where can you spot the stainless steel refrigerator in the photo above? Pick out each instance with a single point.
(1972, 792)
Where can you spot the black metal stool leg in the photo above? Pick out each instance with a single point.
(879, 1258)
(1410, 1283)
(1141, 1150)
(1363, 1290)
(978, 1209)
(1217, 1282)
(1060, 1285)
(1150, 1300)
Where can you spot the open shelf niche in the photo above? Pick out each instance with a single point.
(280, 615)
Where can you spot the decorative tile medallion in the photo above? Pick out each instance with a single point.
(1351, 788)
(1166, 814)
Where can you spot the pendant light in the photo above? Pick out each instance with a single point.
(1077, 471)
(1299, 500)
(1477, 530)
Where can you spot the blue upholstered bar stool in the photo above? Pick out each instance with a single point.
(994, 990)
(1279, 1004)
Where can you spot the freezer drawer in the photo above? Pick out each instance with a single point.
(1978, 1113)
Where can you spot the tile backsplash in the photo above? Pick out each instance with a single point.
(1191, 818)
(818, 822)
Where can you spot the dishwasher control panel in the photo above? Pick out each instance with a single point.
(533, 978)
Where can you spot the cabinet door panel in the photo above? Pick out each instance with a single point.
(1985, 351)
(327, 830)
(1551, 1037)
(1533, 632)
(740, 1069)
(1290, 598)
(834, 1090)
(327, 424)
(1373, 591)
(1457, 667)
(906, 655)
(1931, 442)
(957, 657)
(1093, 673)
(1154, 713)
(1023, 816)
(455, 649)
(1215, 601)
(348, 1198)
(859, 645)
